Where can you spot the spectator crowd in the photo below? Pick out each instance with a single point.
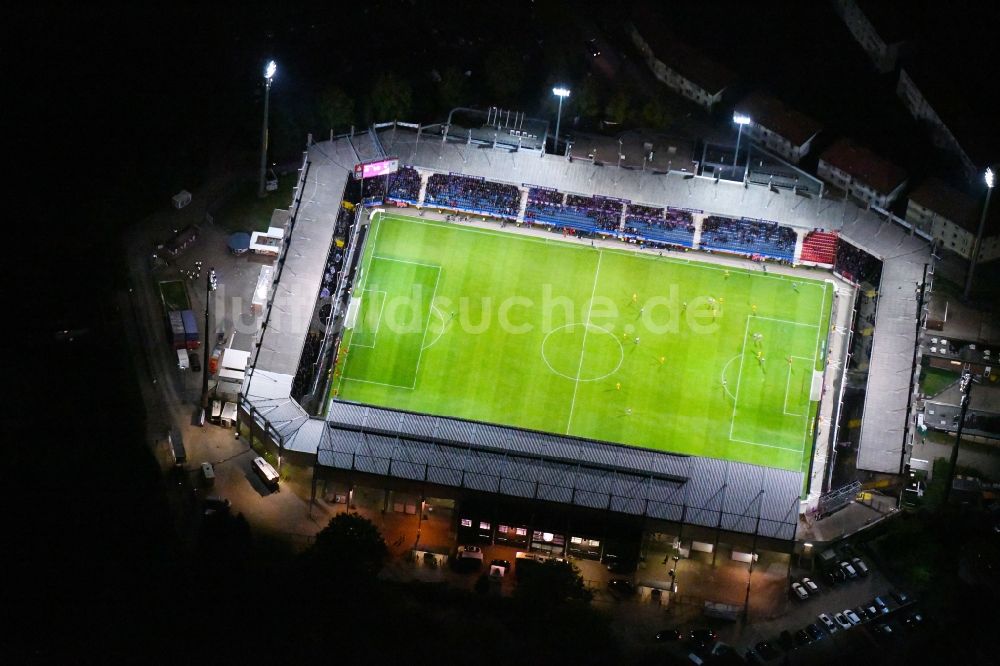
(750, 237)
(857, 265)
(473, 195)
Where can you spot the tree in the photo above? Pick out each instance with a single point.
(503, 74)
(335, 109)
(391, 98)
(587, 99)
(655, 113)
(618, 107)
(349, 550)
(550, 583)
(451, 88)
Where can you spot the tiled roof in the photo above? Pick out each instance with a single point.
(948, 202)
(772, 113)
(864, 165)
(678, 56)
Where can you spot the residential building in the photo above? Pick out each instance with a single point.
(861, 173)
(677, 65)
(952, 217)
(877, 28)
(778, 128)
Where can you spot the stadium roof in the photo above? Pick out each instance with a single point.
(569, 470)
(677, 55)
(864, 165)
(268, 386)
(772, 113)
(884, 423)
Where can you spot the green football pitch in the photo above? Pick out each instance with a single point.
(638, 349)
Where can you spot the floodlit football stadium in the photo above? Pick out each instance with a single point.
(565, 340)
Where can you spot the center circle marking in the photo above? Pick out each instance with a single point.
(591, 329)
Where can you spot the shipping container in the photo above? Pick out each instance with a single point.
(175, 330)
(177, 451)
(191, 336)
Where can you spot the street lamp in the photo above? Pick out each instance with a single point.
(269, 71)
(559, 92)
(990, 182)
(211, 284)
(740, 121)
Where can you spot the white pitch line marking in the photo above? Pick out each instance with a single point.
(583, 347)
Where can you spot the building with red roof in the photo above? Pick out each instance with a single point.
(860, 172)
(778, 128)
(951, 216)
(677, 65)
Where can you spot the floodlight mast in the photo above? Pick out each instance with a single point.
(990, 179)
(740, 121)
(269, 71)
(560, 92)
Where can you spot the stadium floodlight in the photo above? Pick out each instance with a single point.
(211, 284)
(561, 93)
(740, 121)
(978, 242)
(269, 71)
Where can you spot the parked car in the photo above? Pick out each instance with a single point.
(621, 586)
(914, 620)
(846, 567)
(467, 559)
(195, 362)
(814, 632)
(766, 650)
(860, 565)
(800, 591)
(619, 564)
(828, 624)
(871, 611)
(802, 637)
(901, 597)
(214, 504)
(885, 630)
(840, 575)
(668, 635)
(852, 617)
(702, 637)
(811, 587)
(499, 568)
(881, 605)
(842, 621)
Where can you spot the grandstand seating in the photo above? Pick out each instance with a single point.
(857, 265)
(820, 247)
(404, 185)
(670, 226)
(749, 237)
(587, 214)
(472, 195)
